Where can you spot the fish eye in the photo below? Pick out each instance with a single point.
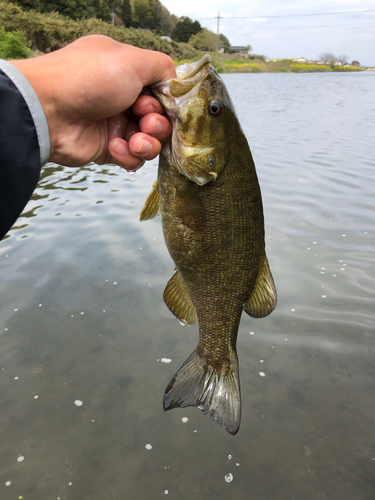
(215, 108)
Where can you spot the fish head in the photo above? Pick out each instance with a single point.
(201, 111)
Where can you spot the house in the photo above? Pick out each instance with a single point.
(239, 49)
(167, 38)
(302, 60)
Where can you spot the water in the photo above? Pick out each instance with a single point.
(87, 346)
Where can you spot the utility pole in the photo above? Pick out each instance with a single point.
(218, 31)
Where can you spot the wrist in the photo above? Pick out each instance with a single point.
(25, 87)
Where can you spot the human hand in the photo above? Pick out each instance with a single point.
(90, 91)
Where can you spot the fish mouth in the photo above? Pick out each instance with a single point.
(196, 162)
(188, 76)
(190, 70)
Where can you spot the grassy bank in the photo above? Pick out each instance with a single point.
(280, 66)
(238, 64)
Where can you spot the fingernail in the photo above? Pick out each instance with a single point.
(149, 109)
(119, 148)
(157, 127)
(144, 147)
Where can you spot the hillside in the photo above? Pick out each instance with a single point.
(45, 32)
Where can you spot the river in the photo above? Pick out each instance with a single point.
(87, 345)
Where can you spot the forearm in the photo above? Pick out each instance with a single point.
(24, 144)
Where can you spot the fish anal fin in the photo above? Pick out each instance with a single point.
(213, 390)
(263, 298)
(151, 208)
(178, 301)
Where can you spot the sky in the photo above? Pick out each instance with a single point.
(303, 28)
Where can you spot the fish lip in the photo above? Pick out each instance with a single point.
(190, 72)
(185, 71)
(195, 68)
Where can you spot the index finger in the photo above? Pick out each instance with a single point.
(146, 104)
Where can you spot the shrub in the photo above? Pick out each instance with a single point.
(49, 32)
(13, 44)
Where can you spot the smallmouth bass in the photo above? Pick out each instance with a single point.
(210, 203)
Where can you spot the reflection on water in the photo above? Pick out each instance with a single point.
(82, 321)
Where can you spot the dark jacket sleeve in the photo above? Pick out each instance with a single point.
(20, 162)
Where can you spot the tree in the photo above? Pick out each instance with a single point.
(344, 59)
(75, 9)
(185, 29)
(327, 58)
(125, 13)
(204, 40)
(142, 14)
(38, 5)
(167, 21)
(102, 9)
(226, 43)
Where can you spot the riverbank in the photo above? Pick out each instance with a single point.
(279, 66)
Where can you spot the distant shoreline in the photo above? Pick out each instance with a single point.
(245, 65)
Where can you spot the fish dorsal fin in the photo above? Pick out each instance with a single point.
(151, 207)
(178, 301)
(263, 298)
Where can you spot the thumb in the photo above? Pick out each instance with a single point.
(157, 67)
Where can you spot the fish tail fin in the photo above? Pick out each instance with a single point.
(214, 390)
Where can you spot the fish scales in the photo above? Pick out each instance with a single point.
(210, 202)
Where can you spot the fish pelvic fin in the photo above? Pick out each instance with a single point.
(151, 208)
(213, 390)
(178, 300)
(263, 298)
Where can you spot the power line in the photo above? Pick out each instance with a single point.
(296, 15)
(257, 25)
(309, 26)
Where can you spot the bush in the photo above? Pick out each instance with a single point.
(13, 44)
(49, 32)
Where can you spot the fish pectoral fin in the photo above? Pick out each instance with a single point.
(188, 207)
(263, 298)
(178, 301)
(151, 207)
(214, 390)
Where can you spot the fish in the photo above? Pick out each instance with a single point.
(208, 195)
